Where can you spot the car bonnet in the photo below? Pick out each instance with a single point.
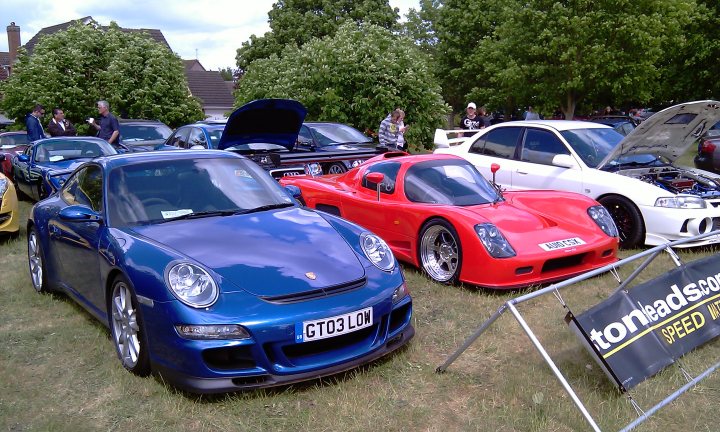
(271, 253)
(668, 133)
(273, 121)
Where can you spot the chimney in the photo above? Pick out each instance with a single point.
(13, 33)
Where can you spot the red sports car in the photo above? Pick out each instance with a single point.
(439, 213)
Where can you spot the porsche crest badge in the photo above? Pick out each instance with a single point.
(311, 275)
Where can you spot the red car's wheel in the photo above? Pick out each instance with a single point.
(440, 251)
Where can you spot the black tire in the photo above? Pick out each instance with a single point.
(627, 218)
(36, 263)
(335, 168)
(127, 328)
(440, 251)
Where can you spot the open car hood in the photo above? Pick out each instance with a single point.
(670, 132)
(272, 121)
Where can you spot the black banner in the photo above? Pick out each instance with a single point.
(636, 333)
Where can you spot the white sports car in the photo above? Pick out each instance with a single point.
(651, 200)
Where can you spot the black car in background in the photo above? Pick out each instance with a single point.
(708, 156)
(622, 124)
(333, 137)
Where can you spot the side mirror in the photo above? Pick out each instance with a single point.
(564, 161)
(23, 158)
(376, 178)
(78, 213)
(494, 168)
(294, 191)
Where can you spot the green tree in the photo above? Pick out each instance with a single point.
(228, 74)
(551, 54)
(420, 25)
(73, 69)
(691, 67)
(356, 77)
(295, 22)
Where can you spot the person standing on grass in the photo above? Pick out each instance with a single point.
(108, 128)
(32, 123)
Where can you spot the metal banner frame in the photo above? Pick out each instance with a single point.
(509, 305)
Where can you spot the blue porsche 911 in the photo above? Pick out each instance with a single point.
(209, 273)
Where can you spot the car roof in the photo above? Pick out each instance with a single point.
(126, 121)
(123, 159)
(559, 125)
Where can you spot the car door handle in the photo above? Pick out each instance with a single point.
(521, 172)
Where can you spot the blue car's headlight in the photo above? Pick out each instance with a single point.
(494, 242)
(192, 285)
(602, 218)
(377, 251)
(681, 202)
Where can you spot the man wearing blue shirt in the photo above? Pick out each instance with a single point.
(108, 128)
(33, 125)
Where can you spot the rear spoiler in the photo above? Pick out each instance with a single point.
(443, 140)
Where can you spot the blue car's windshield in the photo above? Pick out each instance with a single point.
(450, 182)
(57, 150)
(162, 191)
(592, 145)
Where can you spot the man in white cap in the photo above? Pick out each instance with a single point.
(471, 120)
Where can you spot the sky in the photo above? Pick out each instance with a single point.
(210, 31)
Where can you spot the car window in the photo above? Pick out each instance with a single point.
(180, 138)
(390, 170)
(13, 140)
(541, 146)
(305, 135)
(144, 132)
(85, 188)
(499, 142)
(448, 182)
(197, 138)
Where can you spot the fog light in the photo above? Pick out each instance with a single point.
(400, 293)
(212, 331)
(700, 226)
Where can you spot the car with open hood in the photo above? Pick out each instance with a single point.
(439, 213)
(43, 167)
(211, 275)
(651, 200)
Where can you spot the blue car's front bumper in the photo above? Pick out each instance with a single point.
(272, 356)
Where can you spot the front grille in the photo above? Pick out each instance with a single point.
(317, 293)
(715, 223)
(564, 262)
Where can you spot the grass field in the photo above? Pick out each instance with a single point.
(59, 372)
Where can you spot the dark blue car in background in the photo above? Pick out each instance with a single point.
(43, 166)
(210, 274)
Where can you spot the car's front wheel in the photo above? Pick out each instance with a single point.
(627, 218)
(36, 261)
(440, 251)
(126, 326)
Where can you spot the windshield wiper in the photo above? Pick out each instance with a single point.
(264, 207)
(202, 214)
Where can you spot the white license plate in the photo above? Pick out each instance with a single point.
(562, 244)
(308, 331)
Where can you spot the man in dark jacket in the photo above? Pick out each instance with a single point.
(59, 126)
(33, 125)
